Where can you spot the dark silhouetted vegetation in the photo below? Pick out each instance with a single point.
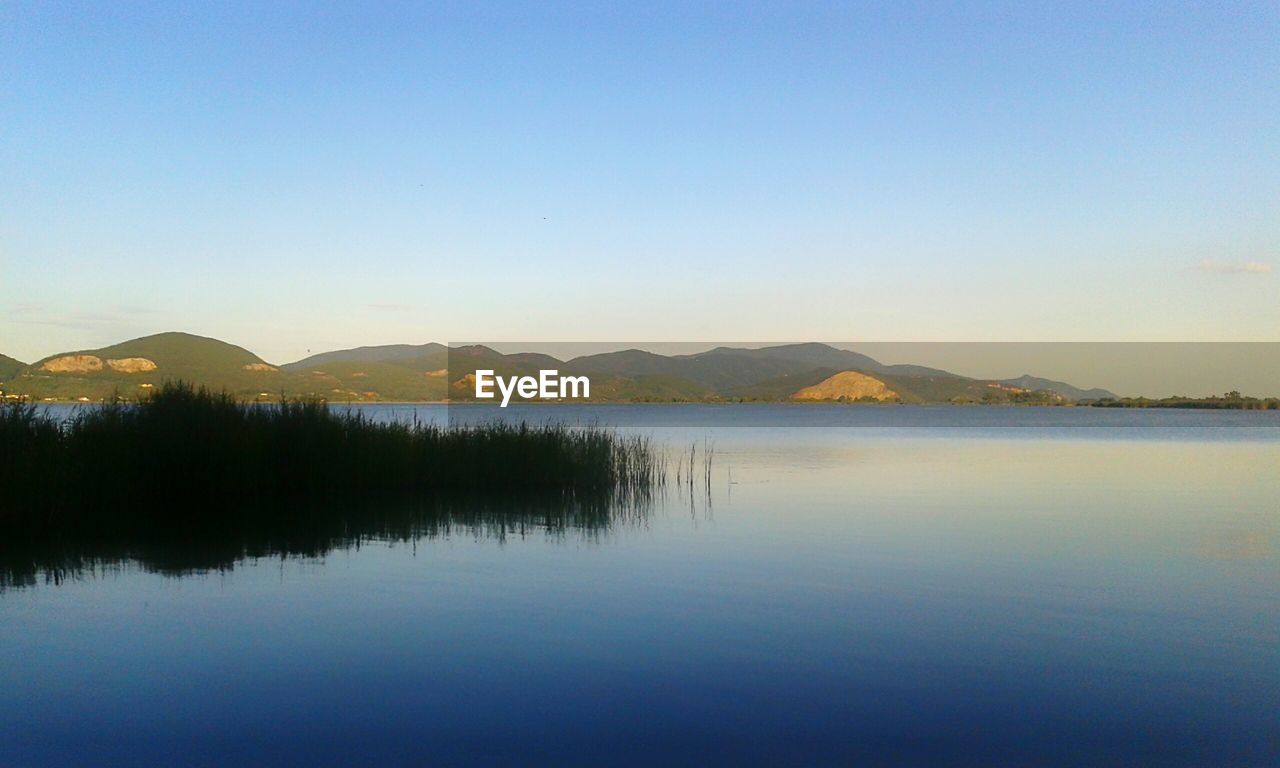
(187, 468)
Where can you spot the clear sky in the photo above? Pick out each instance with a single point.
(308, 177)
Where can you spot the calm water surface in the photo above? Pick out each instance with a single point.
(1028, 586)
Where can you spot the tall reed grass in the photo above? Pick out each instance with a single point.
(190, 460)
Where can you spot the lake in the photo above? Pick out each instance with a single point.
(876, 585)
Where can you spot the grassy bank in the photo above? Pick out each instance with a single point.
(187, 460)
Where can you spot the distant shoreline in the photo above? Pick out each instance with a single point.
(1249, 404)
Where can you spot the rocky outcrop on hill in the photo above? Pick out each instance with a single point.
(847, 385)
(132, 365)
(73, 364)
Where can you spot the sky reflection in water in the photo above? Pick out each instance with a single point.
(960, 596)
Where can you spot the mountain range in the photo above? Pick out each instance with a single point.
(435, 372)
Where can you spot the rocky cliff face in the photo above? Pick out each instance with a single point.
(132, 365)
(94, 364)
(73, 364)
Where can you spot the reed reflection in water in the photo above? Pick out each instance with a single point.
(311, 532)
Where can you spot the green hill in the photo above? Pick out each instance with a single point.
(813, 355)
(958, 390)
(355, 380)
(1027, 381)
(407, 372)
(736, 370)
(404, 372)
(134, 366)
(720, 369)
(417, 356)
(782, 387)
(9, 367)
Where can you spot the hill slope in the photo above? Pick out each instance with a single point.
(405, 372)
(411, 355)
(9, 367)
(732, 368)
(1027, 381)
(724, 368)
(354, 380)
(813, 355)
(140, 364)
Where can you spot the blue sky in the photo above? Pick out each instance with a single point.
(318, 176)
